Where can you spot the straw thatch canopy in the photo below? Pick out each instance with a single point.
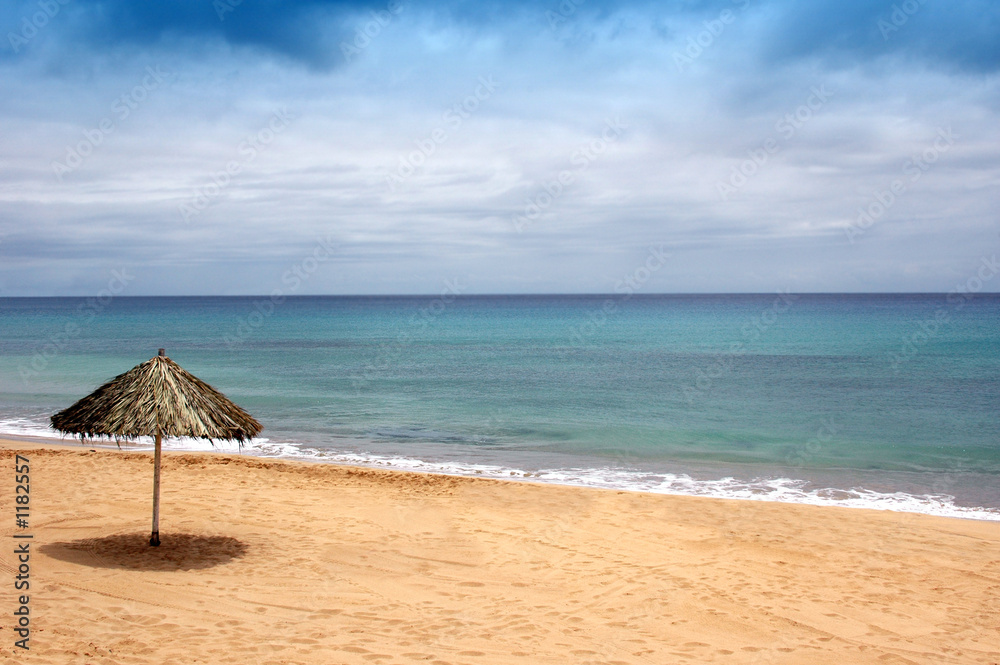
(157, 397)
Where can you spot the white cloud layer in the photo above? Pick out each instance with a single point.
(501, 151)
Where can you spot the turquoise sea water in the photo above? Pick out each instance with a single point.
(870, 400)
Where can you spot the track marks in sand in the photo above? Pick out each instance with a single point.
(378, 568)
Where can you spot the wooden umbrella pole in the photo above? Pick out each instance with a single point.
(154, 540)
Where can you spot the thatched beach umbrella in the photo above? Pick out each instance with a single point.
(157, 398)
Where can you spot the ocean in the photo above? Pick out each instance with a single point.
(875, 401)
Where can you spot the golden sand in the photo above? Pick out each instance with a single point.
(266, 562)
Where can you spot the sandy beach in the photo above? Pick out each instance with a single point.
(266, 562)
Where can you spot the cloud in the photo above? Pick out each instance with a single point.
(356, 120)
(960, 35)
(307, 31)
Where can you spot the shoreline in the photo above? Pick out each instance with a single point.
(776, 488)
(268, 561)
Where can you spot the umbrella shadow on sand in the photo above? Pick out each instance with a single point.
(131, 551)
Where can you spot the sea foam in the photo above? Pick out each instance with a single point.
(777, 489)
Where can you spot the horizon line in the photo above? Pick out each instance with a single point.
(512, 295)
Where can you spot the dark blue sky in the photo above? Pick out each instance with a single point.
(377, 147)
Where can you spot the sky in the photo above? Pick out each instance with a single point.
(325, 147)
